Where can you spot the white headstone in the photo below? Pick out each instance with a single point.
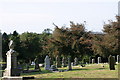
(99, 60)
(47, 63)
(93, 61)
(118, 58)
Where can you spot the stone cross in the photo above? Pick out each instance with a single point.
(99, 60)
(11, 69)
(47, 63)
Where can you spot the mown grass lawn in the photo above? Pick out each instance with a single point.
(90, 71)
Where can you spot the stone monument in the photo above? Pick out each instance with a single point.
(11, 69)
(69, 63)
(53, 68)
(63, 62)
(76, 61)
(47, 63)
(99, 60)
(93, 61)
(118, 58)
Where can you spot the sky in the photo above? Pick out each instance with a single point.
(37, 15)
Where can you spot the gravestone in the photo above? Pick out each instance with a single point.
(58, 63)
(53, 68)
(51, 61)
(47, 63)
(111, 61)
(75, 61)
(12, 69)
(69, 63)
(114, 59)
(33, 63)
(90, 60)
(63, 62)
(37, 67)
(93, 61)
(118, 58)
(99, 60)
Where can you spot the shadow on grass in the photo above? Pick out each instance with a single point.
(79, 69)
(34, 73)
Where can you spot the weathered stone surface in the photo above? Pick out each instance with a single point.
(111, 61)
(47, 63)
(99, 60)
(93, 61)
(37, 67)
(12, 68)
(76, 61)
(58, 63)
(118, 58)
(53, 68)
(69, 63)
(63, 62)
(17, 78)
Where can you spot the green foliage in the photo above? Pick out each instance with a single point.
(74, 41)
(30, 45)
(108, 43)
(5, 48)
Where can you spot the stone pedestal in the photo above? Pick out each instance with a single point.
(11, 69)
(12, 78)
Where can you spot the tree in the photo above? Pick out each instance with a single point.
(108, 43)
(5, 42)
(30, 46)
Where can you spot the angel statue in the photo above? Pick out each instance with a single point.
(11, 45)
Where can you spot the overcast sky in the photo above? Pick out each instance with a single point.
(37, 15)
